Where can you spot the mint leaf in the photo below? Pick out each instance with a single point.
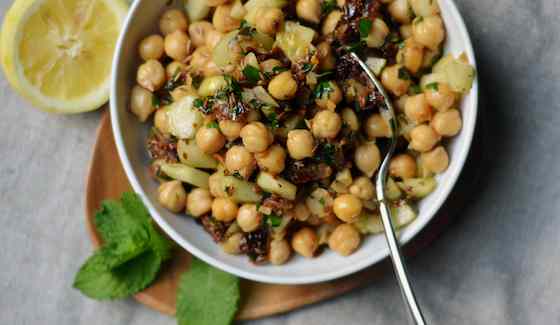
(207, 296)
(364, 26)
(96, 282)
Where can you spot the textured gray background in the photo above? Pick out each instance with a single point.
(497, 264)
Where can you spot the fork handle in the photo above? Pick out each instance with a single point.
(399, 267)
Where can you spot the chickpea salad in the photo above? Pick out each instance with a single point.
(268, 133)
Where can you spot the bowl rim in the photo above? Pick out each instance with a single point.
(374, 258)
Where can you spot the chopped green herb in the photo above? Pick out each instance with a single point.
(415, 89)
(401, 45)
(325, 74)
(273, 120)
(364, 26)
(327, 6)
(394, 38)
(355, 47)
(323, 88)
(404, 74)
(306, 67)
(433, 86)
(277, 70)
(322, 201)
(325, 153)
(252, 74)
(273, 220)
(156, 102)
(213, 125)
(198, 103)
(246, 29)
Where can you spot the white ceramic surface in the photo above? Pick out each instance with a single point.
(130, 139)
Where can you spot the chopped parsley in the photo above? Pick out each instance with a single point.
(273, 220)
(327, 6)
(246, 29)
(364, 26)
(307, 67)
(213, 125)
(326, 153)
(323, 88)
(404, 74)
(433, 86)
(415, 89)
(198, 103)
(322, 201)
(273, 120)
(156, 102)
(252, 74)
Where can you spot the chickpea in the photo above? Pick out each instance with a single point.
(211, 85)
(421, 8)
(151, 75)
(280, 252)
(428, 31)
(345, 239)
(175, 67)
(172, 196)
(447, 123)
(253, 116)
(213, 37)
(342, 3)
(327, 61)
(301, 212)
(209, 140)
(403, 166)
(270, 20)
(172, 20)
(423, 138)
(363, 188)
(367, 158)
(181, 92)
(283, 86)
(417, 109)
(151, 48)
(305, 242)
(161, 121)
(309, 10)
(239, 159)
(231, 129)
(224, 209)
(440, 96)
(347, 207)
(394, 79)
(199, 202)
(331, 21)
(326, 124)
(411, 55)
(350, 119)
(198, 32)
(273, 160)
(222, 19)
(331, 96)
(377, 127)
(232, 245)
(177, 45)
(378, 34)
(400, 10)
(248, 218)
(269, 65)
(256, 137)
(436, 160)
(141, 103)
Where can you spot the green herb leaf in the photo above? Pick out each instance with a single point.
(322, 88)
(131, 256)
(327, 6)
(207, 296)
(433, 86)
(198, 103)
(364, 26)
(306, 67)
(156, 102)
(415, 89)
(322, 201)
(95, 281)
(404, 74)
(252, 74)
(246, 29)
(326, 153)
(213, 125)
(277, 70)
(273, 220)
(273, 120)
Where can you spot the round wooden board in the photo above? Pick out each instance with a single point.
(107, 180)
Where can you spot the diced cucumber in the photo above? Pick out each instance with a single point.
(277, 185)
(186, 174)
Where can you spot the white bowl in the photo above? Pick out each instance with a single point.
(130, 136)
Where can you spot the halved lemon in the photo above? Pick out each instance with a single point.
(58, 53)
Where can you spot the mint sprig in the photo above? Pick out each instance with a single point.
(131, 256)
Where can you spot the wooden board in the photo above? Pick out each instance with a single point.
(107, 180)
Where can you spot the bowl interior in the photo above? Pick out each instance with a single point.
(130, 138)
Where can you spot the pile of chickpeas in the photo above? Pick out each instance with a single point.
(244, 147)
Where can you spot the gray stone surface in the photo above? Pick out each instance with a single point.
(497, 264)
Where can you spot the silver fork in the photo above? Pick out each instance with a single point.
(388, 114)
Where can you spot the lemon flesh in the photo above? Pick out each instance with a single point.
(58, 53)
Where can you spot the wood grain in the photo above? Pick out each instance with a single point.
(107, 180)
